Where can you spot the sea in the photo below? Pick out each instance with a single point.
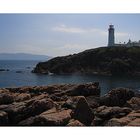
(20, 74)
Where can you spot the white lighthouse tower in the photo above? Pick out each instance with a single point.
(111, 37)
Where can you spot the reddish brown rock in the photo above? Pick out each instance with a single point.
(15, 112)
(51, 89)
(25, 89)
(134, 114)
(61, 105)
(35, 98)
(54, 118)
(118, 122)
(98, 121)
(3, 118)
(135, 118)
(38, 106)
(110, 112)
(134, 103)
(22, 97)
(93, 101)
(56, 98)
(27, 122)
(83, 112)
(3, 90)
(71, 102)
(132, 119)
(75, 123)
(45, 89)
(6, 98)
(117, 97)
(89, 89)
(135, 122)
(19, 111)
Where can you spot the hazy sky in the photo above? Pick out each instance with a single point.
(62, 34)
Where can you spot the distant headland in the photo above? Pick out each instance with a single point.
(114, 59)
(23, 56)
(103, 60)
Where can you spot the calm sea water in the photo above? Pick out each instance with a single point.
(26, 78)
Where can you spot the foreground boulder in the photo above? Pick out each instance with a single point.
(104, 113)
(3, 90)
(38, 106)
(88, 89)
(27, 122)
(3, 118)
(22, 97)
(83, 113)
(109, 112)
(118, 122)
(132, 119)
(134, 103)
(71, 102)
(6, 98)
(93, 101)
(75, 123)
(54, 118)
(117, 97)
(14, 111)
(135, 122)
(19, 111)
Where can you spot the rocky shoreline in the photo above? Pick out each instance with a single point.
(68, 105)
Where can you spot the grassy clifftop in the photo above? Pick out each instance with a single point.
(103, 60)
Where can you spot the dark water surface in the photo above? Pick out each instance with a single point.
(24, 77)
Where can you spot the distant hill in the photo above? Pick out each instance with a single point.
(22, 56)
(103, 60)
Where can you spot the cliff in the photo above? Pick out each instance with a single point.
(103, 60)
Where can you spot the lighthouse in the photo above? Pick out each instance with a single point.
(111, 37)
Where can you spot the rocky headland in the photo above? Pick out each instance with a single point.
(103, 60)
(68, 105)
